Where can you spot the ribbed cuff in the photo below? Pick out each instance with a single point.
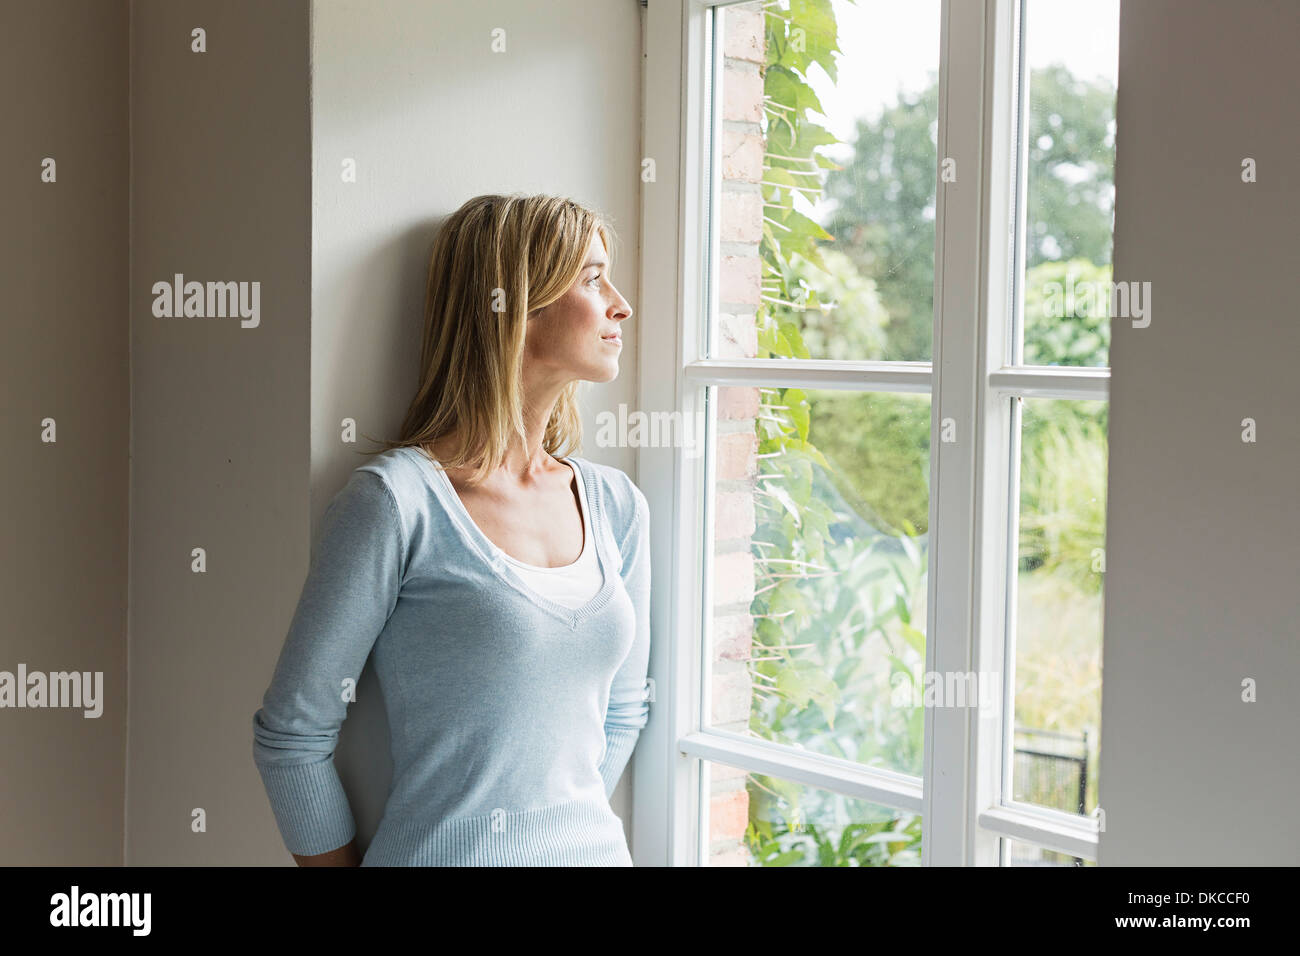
(310, 807)
(619, 743)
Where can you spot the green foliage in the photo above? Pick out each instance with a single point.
(885, 196)
(832, 310)
(1063, 489)
(1071, 161)
(834, 596)
(790, 164)
(878, 447)
(842, 492)
(1066, 311)
(885, 215)
(784, 830)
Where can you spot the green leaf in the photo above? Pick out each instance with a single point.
(783, 497)
(915, 638)
(909, 546)
(798, 410)
(900, 606)
(793, 336)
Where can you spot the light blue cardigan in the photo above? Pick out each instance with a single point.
(512, 717)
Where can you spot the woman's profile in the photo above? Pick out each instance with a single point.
(499, 583)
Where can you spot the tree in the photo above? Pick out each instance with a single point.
(885, 195)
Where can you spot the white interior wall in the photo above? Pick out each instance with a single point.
(1203, 530)
(415, 95)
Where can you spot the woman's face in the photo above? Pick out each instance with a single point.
(579, 335)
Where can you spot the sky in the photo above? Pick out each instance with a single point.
(888, 44)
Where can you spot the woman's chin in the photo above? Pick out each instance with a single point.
(605, 372)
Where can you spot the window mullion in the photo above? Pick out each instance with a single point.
(886, 788)
(948, 808)
(997, 459)
(813, 373)
(1051, 382)
(674, 217)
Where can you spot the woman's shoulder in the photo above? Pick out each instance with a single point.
(623, 501)
(399, 467)
(400, 473)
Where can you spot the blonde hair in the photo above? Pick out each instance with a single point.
(497, 260)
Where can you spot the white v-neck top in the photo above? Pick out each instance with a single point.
(571, 585)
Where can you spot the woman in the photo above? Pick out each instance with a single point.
(504, 589)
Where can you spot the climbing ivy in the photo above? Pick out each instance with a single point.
(835, 645)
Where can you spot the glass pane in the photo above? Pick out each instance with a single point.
(1061, 561)
(826, 123)
(1071, 50)
(1015, 853)
(755, 820)
(818, 510)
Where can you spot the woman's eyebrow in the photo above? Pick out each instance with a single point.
(595, 262)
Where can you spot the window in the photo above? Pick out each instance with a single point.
(757, 820)
(889, 226)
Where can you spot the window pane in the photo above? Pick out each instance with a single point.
(1071, 61)
(825, 119)
(1016, 853)
(818, 509)
(755, 820)
(1058, 612)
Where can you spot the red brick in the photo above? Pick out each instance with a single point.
(733, 637)
(733, 578)
(728, 815)
(742, 95)
(732, 856)
(725, 773)
(740, 280)
(737, 336)
(743, 34)
(736, 456)
(737, 402)
(734, 515)
(732, 696)
(742, 156)
(741, 218)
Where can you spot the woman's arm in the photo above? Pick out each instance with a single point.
(351, 589)
(628, 711)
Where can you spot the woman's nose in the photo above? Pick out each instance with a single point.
(622, 310)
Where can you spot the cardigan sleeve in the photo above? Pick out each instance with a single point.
(629, 710)
(351, 589)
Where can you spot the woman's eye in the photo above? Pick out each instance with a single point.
(594, 278)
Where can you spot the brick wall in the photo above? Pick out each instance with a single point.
(740, 229)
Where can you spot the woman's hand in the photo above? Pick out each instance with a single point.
(343, 856)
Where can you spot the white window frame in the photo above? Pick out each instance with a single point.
(966, 813)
